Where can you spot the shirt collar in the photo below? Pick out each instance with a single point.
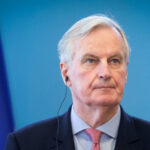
(110, 128)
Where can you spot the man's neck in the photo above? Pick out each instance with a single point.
(96, 116)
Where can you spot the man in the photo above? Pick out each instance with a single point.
(94, 55)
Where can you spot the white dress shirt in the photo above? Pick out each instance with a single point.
(82, 140)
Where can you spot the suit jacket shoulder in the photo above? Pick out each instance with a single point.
(45, 135)
(133, 133)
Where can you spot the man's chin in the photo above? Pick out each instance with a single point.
(106, 101)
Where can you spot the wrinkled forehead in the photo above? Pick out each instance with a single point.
(77, 42)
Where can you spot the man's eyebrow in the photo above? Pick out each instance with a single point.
(89, 55)
(117, 55)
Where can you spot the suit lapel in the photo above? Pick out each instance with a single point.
(127, 136)
(64, 140)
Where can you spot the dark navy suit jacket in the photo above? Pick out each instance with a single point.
(133, 134)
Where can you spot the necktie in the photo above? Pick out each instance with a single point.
(94, 134)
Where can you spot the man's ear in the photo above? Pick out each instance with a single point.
(64, 73)
(126, 73)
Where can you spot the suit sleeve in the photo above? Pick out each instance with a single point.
(11, 143)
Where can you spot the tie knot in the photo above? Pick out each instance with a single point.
(94, 134)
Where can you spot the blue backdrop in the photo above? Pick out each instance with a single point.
(31, 30)
(6, 122)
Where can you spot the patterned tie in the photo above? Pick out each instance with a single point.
(94, 134)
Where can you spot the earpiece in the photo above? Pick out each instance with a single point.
(62, 102)
(66, 79)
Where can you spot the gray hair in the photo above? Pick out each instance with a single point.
(82, 28)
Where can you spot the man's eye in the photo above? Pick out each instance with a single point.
(115, 61)
(90, 60)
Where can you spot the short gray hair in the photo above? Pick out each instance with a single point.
(82, 28)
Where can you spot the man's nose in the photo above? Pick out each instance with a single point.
(104, 71)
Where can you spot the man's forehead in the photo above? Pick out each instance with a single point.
(84, 47)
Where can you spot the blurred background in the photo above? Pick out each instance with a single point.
(30, 31)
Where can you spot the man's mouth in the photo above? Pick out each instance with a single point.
(104, 87)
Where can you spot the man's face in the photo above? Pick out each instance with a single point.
(98, 72)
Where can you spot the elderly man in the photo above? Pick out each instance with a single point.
(94, 55)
